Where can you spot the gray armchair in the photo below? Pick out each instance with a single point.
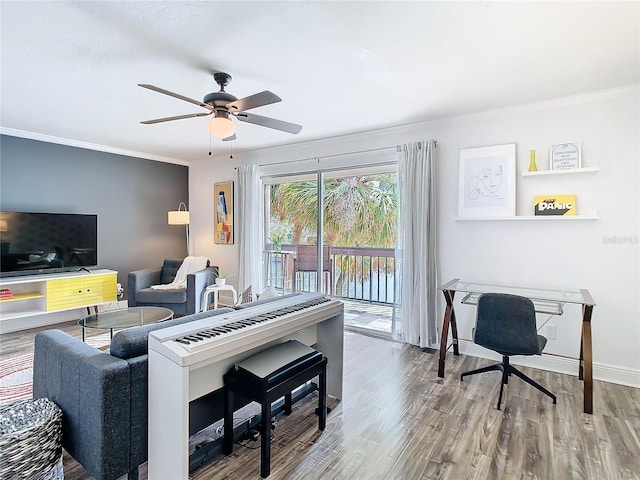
(182, 301)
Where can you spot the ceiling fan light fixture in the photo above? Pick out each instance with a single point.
(221, 127)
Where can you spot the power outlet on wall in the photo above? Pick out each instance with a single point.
(551, 332)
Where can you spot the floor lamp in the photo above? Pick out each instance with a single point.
(180, 217)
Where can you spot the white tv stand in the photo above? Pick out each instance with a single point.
(42, 294)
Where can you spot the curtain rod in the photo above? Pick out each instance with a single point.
(396, 147)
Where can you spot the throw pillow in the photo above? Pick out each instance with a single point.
(268, 292)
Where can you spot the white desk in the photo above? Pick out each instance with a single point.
(215, 290)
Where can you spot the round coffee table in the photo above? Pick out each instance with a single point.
(125, 318)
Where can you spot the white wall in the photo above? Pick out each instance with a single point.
(599, 255)
(202, 177)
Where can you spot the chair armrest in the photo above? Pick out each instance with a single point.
(196, 283)
(92, 389)
(139, 279)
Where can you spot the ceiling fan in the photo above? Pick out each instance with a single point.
(223, 106)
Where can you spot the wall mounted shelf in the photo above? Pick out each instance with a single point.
(560, 172)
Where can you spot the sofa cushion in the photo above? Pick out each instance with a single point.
(133, 342)
(169, 270)
(151, 295)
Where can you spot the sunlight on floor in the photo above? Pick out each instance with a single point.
(368, 316)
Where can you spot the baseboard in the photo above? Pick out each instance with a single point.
(552, 363)
(618, 375)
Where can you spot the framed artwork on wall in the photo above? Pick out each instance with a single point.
(487, 185)
(223, 194)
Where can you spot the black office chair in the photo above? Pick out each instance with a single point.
(507, 325)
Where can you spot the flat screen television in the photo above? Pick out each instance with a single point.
(34, 243)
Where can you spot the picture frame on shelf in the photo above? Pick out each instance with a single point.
(223, 194)
(487, 181)
(565, 156)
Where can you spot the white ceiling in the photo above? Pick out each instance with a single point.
(71, 69)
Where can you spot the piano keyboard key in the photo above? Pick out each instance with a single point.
(219, 331)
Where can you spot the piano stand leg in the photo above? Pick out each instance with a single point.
(322, 401)
(227, 446)
(287, 404)
(265, 441)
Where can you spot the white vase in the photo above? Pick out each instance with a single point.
(221, 281)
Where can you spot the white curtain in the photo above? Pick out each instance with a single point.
(414, 316)
(250, 241)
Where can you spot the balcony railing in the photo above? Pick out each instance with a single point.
(365, 274)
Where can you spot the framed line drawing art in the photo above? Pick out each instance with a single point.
(487, 185)
(223, 194)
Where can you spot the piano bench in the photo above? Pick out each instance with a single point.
(267, 376)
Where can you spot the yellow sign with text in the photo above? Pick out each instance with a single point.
(554, 205)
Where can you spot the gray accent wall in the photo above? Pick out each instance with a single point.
(131, 197)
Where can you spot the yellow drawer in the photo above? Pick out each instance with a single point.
(67, 293)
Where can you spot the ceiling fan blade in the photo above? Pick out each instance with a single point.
(178, 117)
(268, 122)
(232, 137)
(253, 101)
(175, 95)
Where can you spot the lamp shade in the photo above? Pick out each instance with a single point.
(222, 127)
(178, 217)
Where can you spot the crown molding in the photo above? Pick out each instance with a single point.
(560, 102)
(12, 132)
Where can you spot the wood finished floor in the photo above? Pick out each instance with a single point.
(398, 420)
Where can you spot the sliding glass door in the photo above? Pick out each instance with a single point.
(346, 250)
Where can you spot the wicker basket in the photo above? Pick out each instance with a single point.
(30, 440)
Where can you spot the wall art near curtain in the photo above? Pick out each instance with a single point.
(224, 212)
(487, 181)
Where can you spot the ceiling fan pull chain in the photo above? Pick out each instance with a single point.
(209, 142)
(231, 156)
